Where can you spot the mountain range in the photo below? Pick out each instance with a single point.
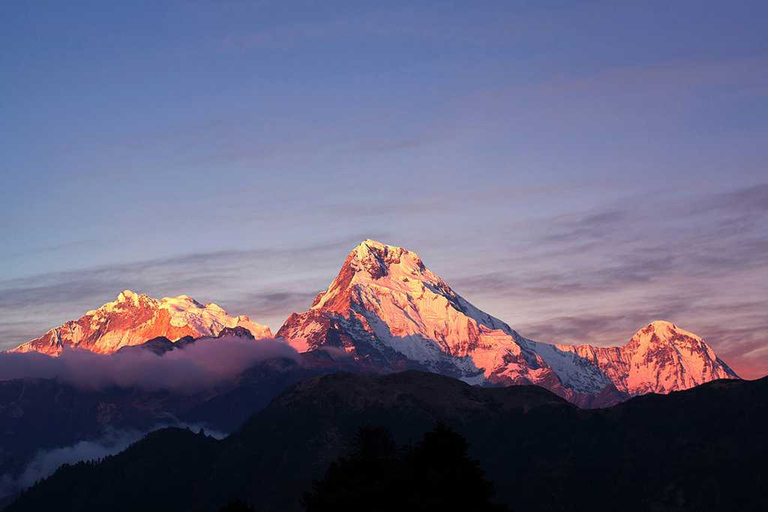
(133, 319)
(386, 311)
(139, 363)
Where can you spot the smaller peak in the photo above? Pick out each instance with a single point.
(661, 325)
(658, 328)
(214, 306)
(128, 296)
(660, 331)
(181, 301)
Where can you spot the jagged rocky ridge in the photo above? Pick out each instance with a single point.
(387, 310)
(134, 318)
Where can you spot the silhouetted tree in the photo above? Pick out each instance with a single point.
(437, 474)
(366, 477)
(444, 477)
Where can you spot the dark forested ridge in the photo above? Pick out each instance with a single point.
(45, 414)
(701, 449)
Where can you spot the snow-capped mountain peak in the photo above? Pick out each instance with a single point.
(373, 263)
(661, 357)
(387, 309)
(133, 318)
(128, 295)
(661, 331)
(375, 258)
(125, 298)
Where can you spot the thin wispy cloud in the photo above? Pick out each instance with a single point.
(275, 303)
(598, 276)
(592, 276)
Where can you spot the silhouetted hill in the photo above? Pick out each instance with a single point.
(701, 449)
(42, 414)
(45, 414)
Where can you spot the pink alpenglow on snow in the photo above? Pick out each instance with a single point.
(659, 358)
(388, 310)
(134, 318)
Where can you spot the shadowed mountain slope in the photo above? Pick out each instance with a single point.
(701, 449)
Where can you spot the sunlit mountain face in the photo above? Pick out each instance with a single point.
(386, 311)
(133, 319)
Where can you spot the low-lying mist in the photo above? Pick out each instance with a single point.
(206, 363)
(46, 462)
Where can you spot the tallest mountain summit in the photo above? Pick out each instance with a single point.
(388, 311)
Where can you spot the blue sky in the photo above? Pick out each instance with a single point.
(576, 168)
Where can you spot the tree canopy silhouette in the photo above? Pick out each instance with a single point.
(436, 474)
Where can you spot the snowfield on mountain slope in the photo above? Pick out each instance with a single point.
(659, 358)
(134, 318)
(385, 297)
(388, 312)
